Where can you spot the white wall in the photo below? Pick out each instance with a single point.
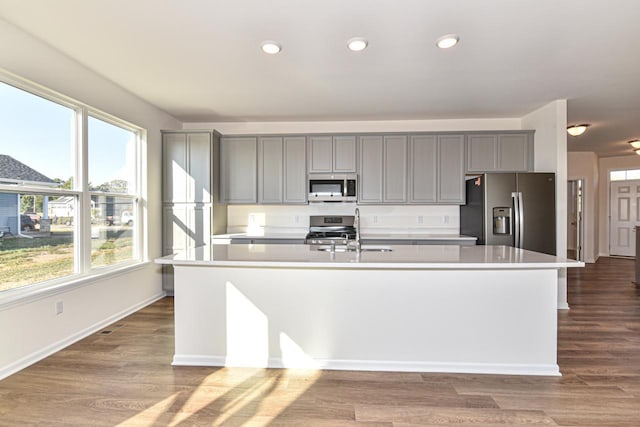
(584, 165)
(550, 155)
(606, 165)
(374, 219)
(30, 331)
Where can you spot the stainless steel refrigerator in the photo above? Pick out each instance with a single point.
(514, 209)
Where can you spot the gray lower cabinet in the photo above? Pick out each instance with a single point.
(328, 154)
(282, 174)
(238, 170)
(501, 152)
(390, 242)
(265, 241)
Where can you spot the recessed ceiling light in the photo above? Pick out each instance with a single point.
(635, 143)
(271, 47)
(447, 41)
(577, 130)
(357, 44)
(637, 152)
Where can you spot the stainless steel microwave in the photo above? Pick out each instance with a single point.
(333, 187)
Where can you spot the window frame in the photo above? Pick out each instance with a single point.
(80, 191)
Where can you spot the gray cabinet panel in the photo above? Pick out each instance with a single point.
(238, 169)
(395, 169)
(513, 152)
(270, 170)
(500, 152)
(175, 168)
(320, 154)
(371, 169)
(295, 171)
(199, 182)
(423, 168)
(451, 169)
(344, 154)
(481, 153)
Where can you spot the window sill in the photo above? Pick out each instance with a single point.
(31, 293)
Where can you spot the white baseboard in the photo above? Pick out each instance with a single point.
(563, 306)
(376, 365)
(59, 345)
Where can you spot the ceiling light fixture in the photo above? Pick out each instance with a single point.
(270, 47)
(635, 143)
(577, 130)
(447, 41)
(637, 152)
(357, 44)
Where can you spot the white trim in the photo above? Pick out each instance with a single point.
(59, 345)
(563, 306)
(29, 293)
(377, 365)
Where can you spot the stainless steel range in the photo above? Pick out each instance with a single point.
(334, 229)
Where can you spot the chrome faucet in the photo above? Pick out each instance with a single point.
(356, 223)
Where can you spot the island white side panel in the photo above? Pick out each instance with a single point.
(440, 321)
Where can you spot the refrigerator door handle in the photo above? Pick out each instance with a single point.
(516, 220)
(521, 219)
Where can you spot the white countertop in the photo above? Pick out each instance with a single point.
(363, 236)
(423, 257)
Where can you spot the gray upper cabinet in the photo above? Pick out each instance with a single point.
(186, 167)
(270, 170)
(513, 152)
(295, 171)
(395, 169)
(451, 169)
(436, 172)
(503, 152)
(344, 154)
(383, 169)
(423, 168)
(238, 170)
(329, 154)
(282, 174)
(370, 180)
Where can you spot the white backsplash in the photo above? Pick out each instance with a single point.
(427, 219)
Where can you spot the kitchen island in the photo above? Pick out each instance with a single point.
(429, 308)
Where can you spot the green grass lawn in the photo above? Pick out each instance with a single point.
(26, 261)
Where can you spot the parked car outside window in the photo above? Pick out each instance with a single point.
(126, 218)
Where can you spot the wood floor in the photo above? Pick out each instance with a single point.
(122, 376)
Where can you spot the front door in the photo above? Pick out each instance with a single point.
(624, 217)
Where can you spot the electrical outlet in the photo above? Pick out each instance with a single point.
(59, 307)
(420, 219)
(445, 219)
(296, 219)
(375, 219)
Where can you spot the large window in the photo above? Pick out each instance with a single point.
(64, 214)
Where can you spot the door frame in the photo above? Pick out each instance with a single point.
(610, 216)
(579, 200)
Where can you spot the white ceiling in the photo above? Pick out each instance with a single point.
(200, 60)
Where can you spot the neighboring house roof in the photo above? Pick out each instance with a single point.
(64, 200)
(14, 171)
